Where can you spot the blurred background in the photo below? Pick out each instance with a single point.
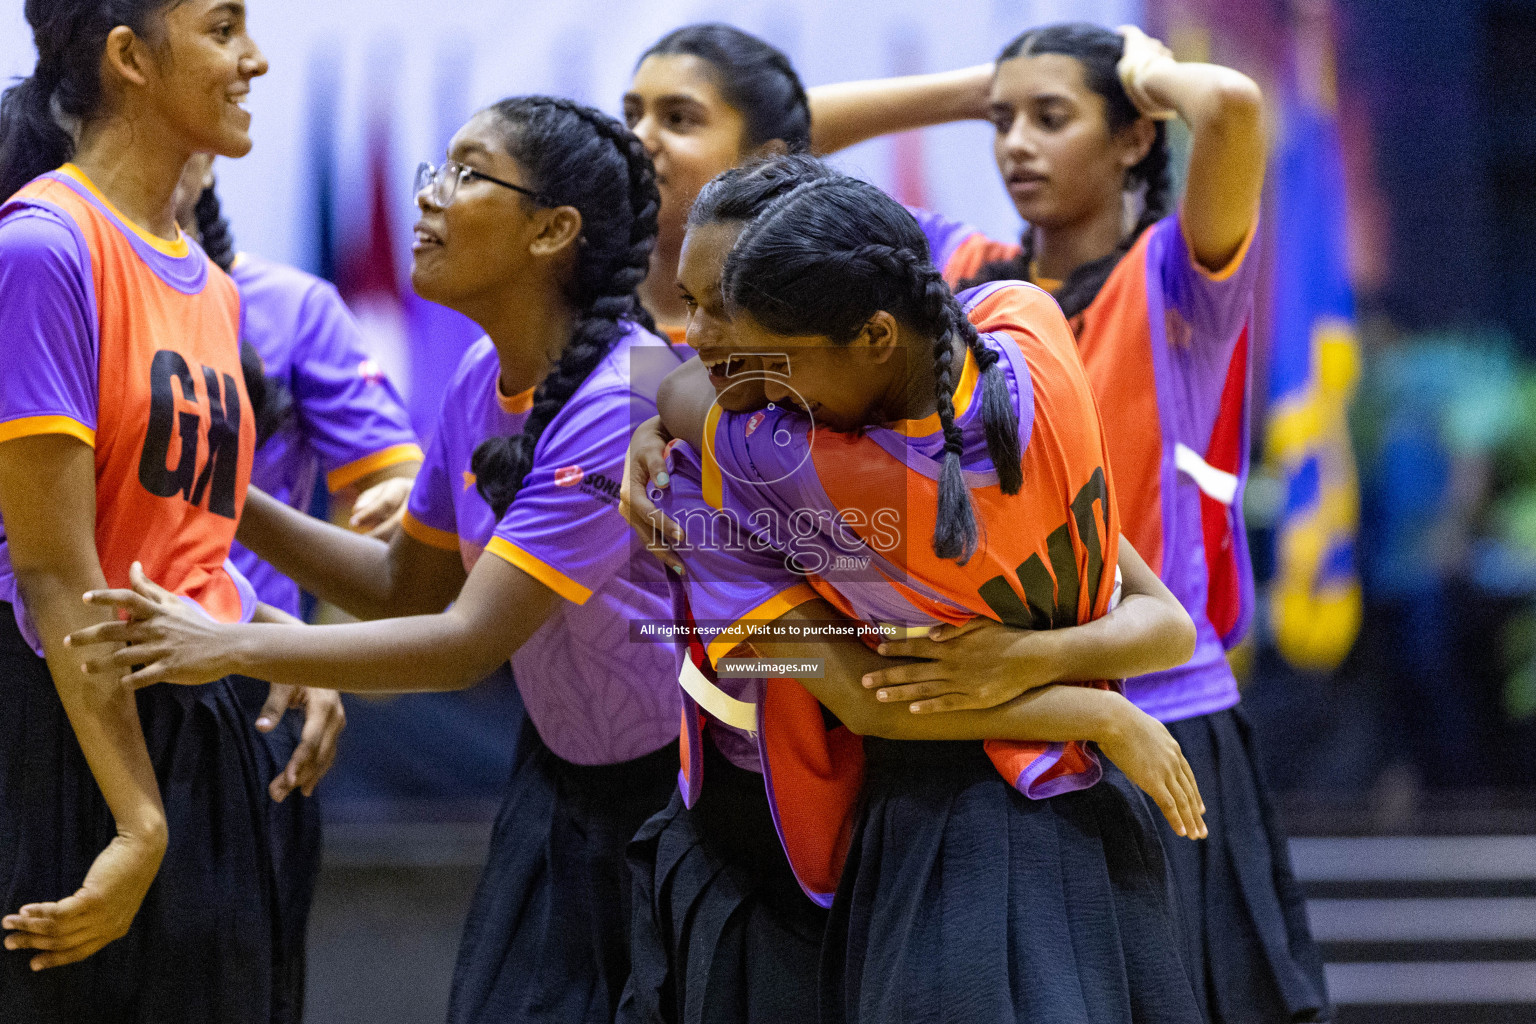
(1392, 668)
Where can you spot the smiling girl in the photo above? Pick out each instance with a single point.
(539, 226)
(126, 436)
(966, 876)
(706, 98)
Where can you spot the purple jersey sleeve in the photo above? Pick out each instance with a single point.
(48, 321)
(944, 235)
(564, 527)
(351, 413)
(735, 576)
(1210, 305)
(431, 501)
(761, 462)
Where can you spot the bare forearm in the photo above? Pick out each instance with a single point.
(850, 112)
(417, 653)
(1143, 634)
(347, 569)
(1054, 719)
(104, 717)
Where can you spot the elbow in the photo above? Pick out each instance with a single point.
(1236, 104)
(1181, 638)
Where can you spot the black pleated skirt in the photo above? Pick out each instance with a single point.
(200, 948)
(547, 937)
(294, 836)
(722, 932)
(964, 901)
(1243, 914)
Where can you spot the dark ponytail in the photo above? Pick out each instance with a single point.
(213, 230)
(1098, 50)
(826, 256)
(756, 79)
(70, 36)
(576, 156)
(271, 399)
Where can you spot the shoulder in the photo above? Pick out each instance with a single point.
(636, 365)
(1011, 306)
(34, 235)
(262, 280)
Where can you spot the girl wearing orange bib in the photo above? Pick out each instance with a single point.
(126, 437)
(980, 458)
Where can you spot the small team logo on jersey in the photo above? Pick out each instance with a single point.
(469, 479)
(370, 371)
(755, 422)
(569, 476)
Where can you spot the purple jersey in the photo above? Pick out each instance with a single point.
(1165, 343)
(595, 697)
(348, 419)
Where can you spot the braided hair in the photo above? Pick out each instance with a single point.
(742, 193)
(1098, 50)
(577, 156)
(70, 36)
(271, 399)
(756, 79)
(827, 255)
(213, 230)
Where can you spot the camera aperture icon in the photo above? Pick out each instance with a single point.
(750, 371)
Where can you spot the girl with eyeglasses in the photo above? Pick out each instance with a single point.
(539, 226)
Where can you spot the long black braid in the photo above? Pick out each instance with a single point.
(213, 230)
(1098, 50)
(271, 398)
(577, 156)
(825, 257)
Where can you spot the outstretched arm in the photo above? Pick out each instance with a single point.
(850, 112)
(361, 575)
(1224, 110)
(447, 651)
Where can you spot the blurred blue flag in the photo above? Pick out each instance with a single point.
(1315, 602)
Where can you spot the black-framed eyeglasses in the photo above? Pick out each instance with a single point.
(444, 182)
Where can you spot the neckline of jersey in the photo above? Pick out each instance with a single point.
(965, 391)
(176, 250)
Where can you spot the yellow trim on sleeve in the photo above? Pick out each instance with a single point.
(710, 481)
(178, 248)
(965, 391)
(352, 472)
(545, 573)
(30, 426)
(776, 606)
(431, 536)
(1232, 265)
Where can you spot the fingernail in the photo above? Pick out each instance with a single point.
(66, 641)
(263, 722)
(868, 681)
(882, 695)
(880, 649)
(662, 479)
